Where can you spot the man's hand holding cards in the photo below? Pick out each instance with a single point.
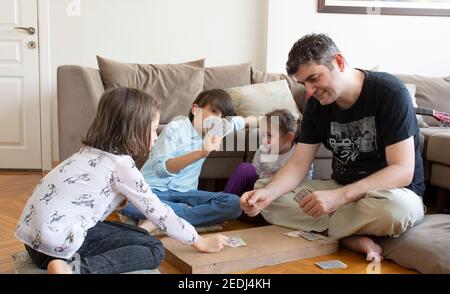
(300, 195)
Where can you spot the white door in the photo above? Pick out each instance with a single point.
(20, 132)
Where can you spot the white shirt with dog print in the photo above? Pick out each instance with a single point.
(83, 190)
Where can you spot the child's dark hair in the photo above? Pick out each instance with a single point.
(122, 124)
(216, 98)
(286, 122)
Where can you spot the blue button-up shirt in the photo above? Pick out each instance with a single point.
(177, 139)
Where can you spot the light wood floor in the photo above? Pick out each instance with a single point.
(15, 189)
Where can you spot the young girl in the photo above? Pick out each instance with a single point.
(64, 217)
(280, 130)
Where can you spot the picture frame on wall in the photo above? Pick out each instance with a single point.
(388, 7)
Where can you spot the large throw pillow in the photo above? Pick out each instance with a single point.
(227, 76)
(431, 93)
(177, 85)
(259, 99)
(424, 248)
(297, 90)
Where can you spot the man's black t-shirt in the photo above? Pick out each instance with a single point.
(383, 115)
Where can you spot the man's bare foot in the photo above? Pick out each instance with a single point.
(365, 245)
(58, 266)
(147, 225)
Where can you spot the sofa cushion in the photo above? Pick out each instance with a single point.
(298, 90)
(177, 85)
(259, 99)
(228, 76)
(439, 147)
(424, 247)
(431, 93)
(425, 134)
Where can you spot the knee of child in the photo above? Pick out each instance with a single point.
(246, 168)
(231, 205)
(157, 249)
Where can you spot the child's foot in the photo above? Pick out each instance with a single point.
(147, 225)
(365, 245)
(58, 266)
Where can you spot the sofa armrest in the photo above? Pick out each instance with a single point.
(79, 90)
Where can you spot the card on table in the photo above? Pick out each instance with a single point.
(235, 242)
(307, 235)
(300, 195)
(331, 264)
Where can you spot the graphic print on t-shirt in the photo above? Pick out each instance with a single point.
(351, 139)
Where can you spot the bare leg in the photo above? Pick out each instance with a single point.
(363, 244)
(147, 225)
(58, 266)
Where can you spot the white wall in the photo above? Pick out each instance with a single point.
(156, 31)
(398, 44)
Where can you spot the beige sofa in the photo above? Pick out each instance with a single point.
(79, 89)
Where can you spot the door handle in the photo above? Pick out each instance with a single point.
(30, 30)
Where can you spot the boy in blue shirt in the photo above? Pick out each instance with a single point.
(176, 160)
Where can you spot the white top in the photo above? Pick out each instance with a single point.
(85, 189)
(267, 164)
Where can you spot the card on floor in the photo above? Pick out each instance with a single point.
(300, 195)
(331, 264)
(235, 242)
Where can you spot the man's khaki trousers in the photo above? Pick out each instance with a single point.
(378, 213)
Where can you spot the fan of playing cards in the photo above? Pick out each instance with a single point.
(235, 242)
(219, 127)
(300, 194)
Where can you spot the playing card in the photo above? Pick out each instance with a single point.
(307, 235)
(310, 236)
(300, 195)
(220, 128)
(331, 264)
(235, 242)
(293, 234)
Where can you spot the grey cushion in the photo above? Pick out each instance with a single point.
(227, 76)
(177, 85)
(22, 264)
(424, 248)
(431, 93)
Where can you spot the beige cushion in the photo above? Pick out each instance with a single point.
(440, 174)
(438, 149)
(228, 76)
(424, 248)
(298, 90)
(259, 99)
(177, 85)
(431, 93)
